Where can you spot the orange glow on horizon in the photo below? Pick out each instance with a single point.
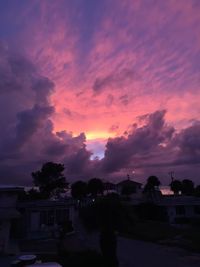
(98, 135)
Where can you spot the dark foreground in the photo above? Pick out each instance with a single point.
(134, 253)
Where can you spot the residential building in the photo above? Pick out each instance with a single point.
(8, 217)
(137, 187)
(181, 208)
(46, 218)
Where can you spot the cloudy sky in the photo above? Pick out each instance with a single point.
(106, 87)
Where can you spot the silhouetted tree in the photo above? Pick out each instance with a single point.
(79, 190)
(152, 183)
(197, 191)
(151, 188)
(176, 186)
(95, 187)
(50, 178)
(187, 187)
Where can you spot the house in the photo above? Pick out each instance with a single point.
(134, 186)
(46, 218)
(181, 208)
(8, 217)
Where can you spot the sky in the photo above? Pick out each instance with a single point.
(108, 88)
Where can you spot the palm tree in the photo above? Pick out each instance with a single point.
(151, 187)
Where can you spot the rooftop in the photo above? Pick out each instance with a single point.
(128, 182)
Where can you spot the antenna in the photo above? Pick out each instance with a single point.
(171, 175)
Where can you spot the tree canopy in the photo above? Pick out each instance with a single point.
(95, 186)
(79, 190)
(176, 186)
(50, 178)
(152, 183)
(187, 187)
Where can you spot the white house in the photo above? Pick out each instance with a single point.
(181, 207)
(44, 218)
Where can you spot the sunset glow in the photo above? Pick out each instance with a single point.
(98, 135)
(108, 79)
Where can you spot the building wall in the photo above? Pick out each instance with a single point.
(4, 235)
(177, 212)
(8, 200)
(45, 221)
(7, 204)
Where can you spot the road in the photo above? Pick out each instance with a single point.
(134, 253)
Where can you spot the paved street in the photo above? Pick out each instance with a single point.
(133, 253)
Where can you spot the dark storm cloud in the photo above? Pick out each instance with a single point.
(29, 121)
(120, 150)
(16, 71)
(43, 87)
(188, 144)
(28, 138)
(24, 102)
(78, 162)
(154, 148)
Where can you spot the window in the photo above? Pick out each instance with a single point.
(180, 210)
(47, 217)
(50, 217)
